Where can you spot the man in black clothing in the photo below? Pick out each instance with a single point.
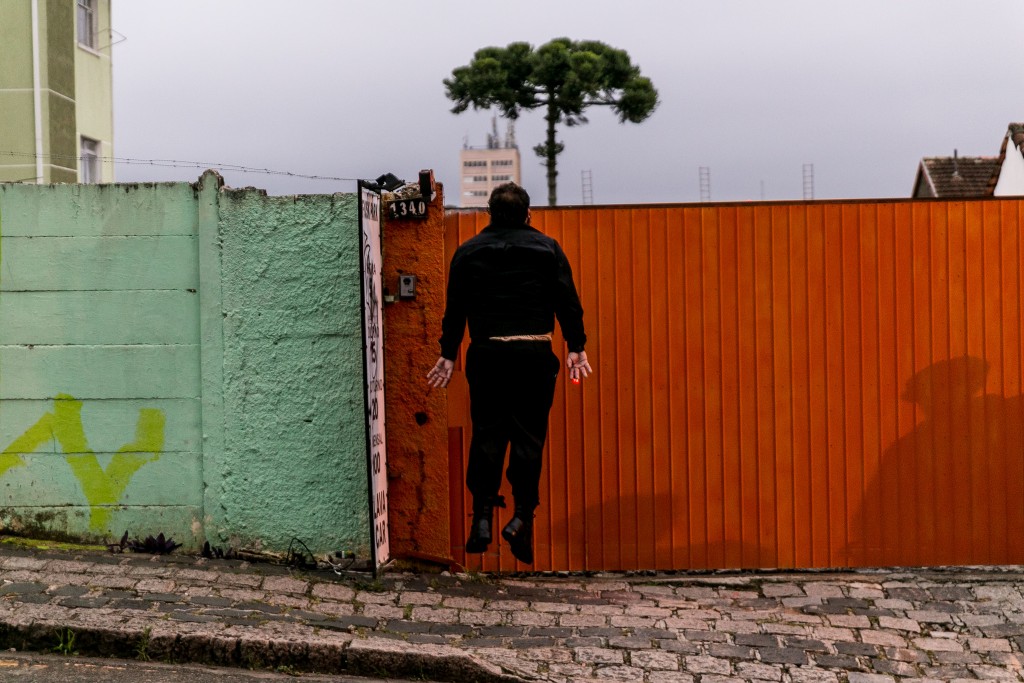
(510, 282)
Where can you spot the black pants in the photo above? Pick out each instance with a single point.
(511, 387)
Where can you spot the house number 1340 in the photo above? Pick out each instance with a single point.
(408, 208)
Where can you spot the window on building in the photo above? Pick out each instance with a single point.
(502, 162)
(474, 164)
(501, 178)
(475, 179)
(476, 193)
(87, 23)
(90, 160)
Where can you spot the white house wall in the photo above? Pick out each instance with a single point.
(1011, 175)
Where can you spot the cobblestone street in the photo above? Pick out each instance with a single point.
(860, 627)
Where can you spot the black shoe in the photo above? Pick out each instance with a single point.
(480, 531)
(519, 534)
(483, 523)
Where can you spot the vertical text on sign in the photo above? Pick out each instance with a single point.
(369, 221)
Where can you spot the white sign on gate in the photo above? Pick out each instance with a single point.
(373, 339)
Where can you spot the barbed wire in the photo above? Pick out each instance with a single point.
(177, 163)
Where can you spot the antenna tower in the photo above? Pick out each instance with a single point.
(493, 141)
(588, 186)
(510, 135)
(705, 183)
(808, 181)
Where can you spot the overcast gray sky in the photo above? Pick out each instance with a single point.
(751, 89)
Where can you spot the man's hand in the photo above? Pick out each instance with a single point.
(578, 366)
(441, 373)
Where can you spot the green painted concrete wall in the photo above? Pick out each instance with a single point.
(99, 351)
(181, 359)
(293, 374)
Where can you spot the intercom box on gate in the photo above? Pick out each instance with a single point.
(406, 286)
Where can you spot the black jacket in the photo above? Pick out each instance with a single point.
(508, 281)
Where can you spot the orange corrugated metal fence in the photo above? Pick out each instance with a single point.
(822, 384)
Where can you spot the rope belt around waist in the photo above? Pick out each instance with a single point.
(523, 337)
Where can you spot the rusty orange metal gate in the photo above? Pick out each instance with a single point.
(823, 384)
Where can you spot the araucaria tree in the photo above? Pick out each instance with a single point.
(564, 77)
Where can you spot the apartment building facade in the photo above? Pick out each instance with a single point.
(56, 91)
(484, 168)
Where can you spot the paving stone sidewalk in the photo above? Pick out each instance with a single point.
(855, 627)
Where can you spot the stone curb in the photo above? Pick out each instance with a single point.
(371, 657)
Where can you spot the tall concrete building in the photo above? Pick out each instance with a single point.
(484, 168)
(56, 91)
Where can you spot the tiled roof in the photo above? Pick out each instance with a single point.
(956, 177)
(952, 177)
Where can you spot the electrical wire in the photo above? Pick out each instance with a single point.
(296, 559)
(178, 163)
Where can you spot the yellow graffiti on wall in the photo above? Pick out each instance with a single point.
(102, 487)
(9, 459)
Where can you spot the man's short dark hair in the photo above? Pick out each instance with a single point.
(509, 204)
